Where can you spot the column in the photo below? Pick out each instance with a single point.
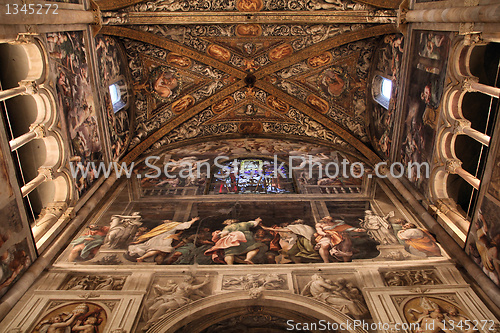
(48, 217)
(471, 84)
(36, 131)
(490, 13)
(454, 166)
(449, 208)
(25, 88)
(44, 174)
(462, 126)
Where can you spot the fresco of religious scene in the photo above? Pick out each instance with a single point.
(243, 232)
(388, 62)
(115, 230)
(436, 312)
(426, 83)
(113, 86)
(494, 183)
(16, 251)
(75, 100)
(73, 317)
(314, 170)
(13, 261)
(483, 244)
(323, 173)
(333, 82)
(417, 240)
(165, 83)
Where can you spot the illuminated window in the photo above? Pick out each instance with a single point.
(382, 90)
(118, 94)
(386, 88)
(115, 93)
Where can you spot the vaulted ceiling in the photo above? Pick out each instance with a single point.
(279, 69)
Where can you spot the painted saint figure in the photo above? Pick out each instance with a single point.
(223, 105)
(182, 104)
(319, 60)
(249, 5)
(237, 239)
(280, 52)
(419, 241)
(318, 103)
(248, 30)
(277, 104)
(379, 228)
(219, 52)
(333, 238)
(179, 60)
(122, 229)
(86, 246)
(300, 238)
(488, 249)
(158, 240)
(333, 81)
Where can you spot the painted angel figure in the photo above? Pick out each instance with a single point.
(158, 240)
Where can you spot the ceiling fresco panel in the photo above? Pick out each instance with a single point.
(387, 63)
(112, 68)
(333, 83)
(332, 59)
(75, 101)
(428, 66)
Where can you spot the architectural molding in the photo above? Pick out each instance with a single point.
(319, 17)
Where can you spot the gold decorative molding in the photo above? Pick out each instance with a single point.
(259, 74)
(318, 17)
(97, 24)
(162, 131)
(323, 120)
(164, 43)
(328, 44)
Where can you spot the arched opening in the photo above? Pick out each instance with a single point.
(276, 310)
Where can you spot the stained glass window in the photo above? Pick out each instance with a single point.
(251, 176)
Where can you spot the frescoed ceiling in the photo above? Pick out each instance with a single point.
(284, 69)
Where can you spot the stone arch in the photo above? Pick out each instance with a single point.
(200, 314)
(452, 122)
(37, 60)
